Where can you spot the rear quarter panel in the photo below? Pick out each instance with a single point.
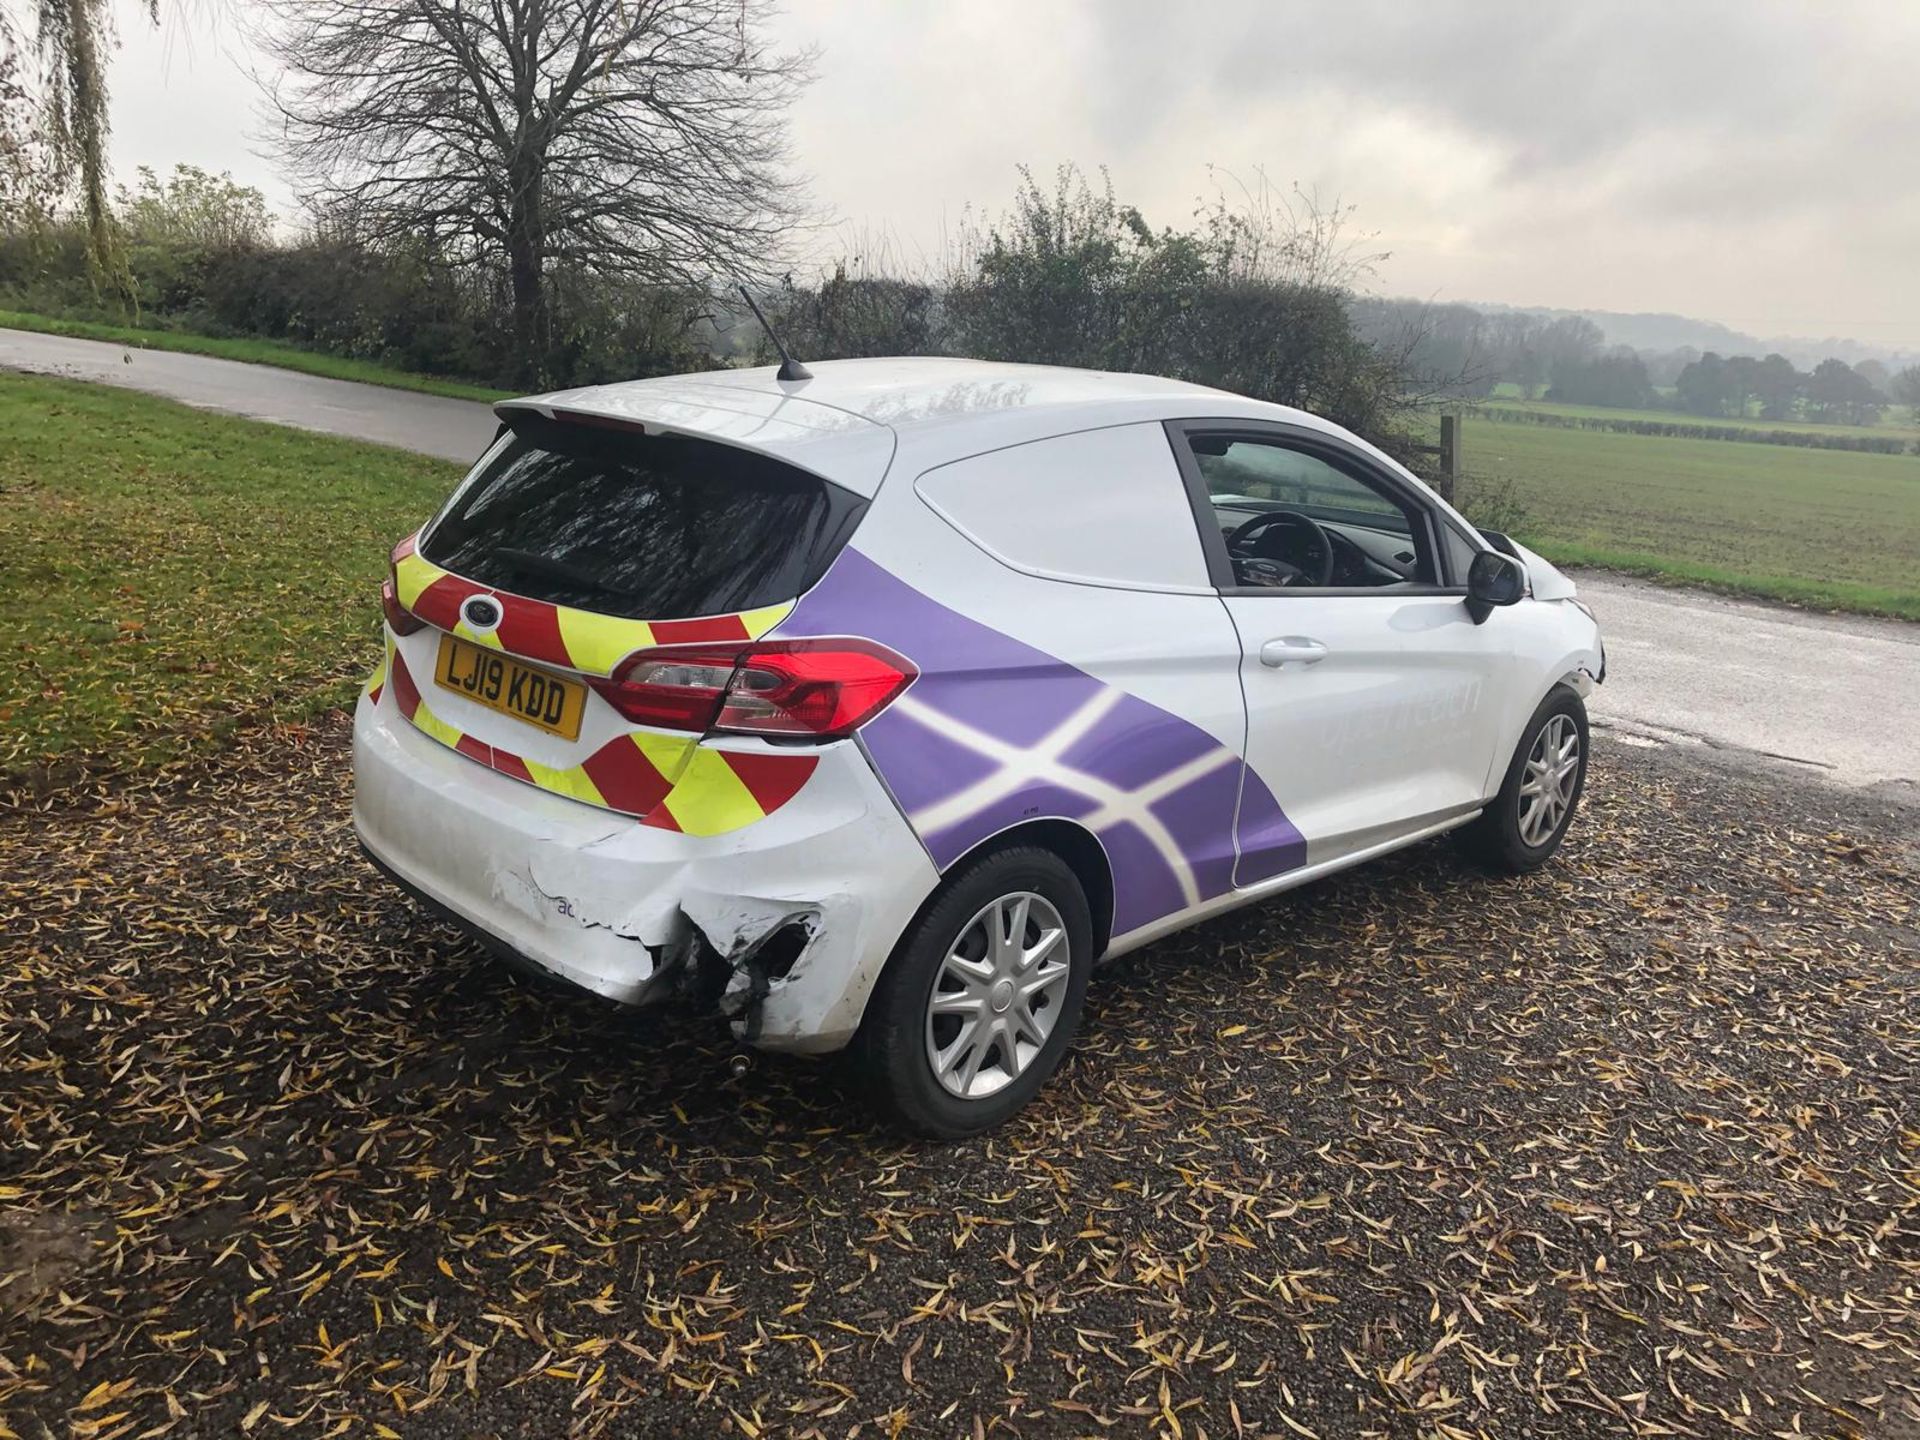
(1040, 697)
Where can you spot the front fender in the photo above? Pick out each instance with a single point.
(1547, 580)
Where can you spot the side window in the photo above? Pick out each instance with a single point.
(1460, 553)
(1102, 507)
(1292, 520)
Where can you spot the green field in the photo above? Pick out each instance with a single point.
(1897, 422)
(255, 352)
(1819, 527)
(169, 574)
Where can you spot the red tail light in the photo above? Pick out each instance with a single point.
(672, 689)
(402, 620)
(819, 689)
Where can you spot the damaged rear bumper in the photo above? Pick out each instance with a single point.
(781, 926)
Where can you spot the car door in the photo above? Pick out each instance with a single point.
(1369, 688)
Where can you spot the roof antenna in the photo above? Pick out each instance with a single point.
(790, 368)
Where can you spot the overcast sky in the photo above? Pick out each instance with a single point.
(1745, 162)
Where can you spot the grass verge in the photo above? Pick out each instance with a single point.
(170, 574)
(1815, 595)
(253, 352)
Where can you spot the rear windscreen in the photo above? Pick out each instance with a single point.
(644, 527)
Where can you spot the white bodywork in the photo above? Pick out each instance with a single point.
(1045, 508)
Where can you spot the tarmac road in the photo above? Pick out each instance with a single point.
(429, 424)
(1829, 696)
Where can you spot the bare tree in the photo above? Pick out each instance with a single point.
(640, 139)
(1287, 237)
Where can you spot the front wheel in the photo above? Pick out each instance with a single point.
(982, 995)
(1523, 825)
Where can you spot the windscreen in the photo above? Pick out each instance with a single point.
(640, 526)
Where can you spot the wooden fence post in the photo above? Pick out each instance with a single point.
(1449, 456)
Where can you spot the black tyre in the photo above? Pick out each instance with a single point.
(1523, 825)
(981, 997)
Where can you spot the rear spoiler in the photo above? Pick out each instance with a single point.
(517, 416)
(832, 444)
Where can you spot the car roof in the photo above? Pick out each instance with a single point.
(923, 390)
(852, 417)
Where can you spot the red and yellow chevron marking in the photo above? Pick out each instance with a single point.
(377, 681)
(554, 634)
(722, 790)
(669, 782)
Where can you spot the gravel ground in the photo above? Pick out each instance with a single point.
(1630, 1147)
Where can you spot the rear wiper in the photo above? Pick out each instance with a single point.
(558, 570)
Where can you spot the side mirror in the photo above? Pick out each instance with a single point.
(1494, 579)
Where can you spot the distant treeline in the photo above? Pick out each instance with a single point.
(201, 255)
(1681, 430)
(1252, 298)
(1458, 351)
(1257, 297)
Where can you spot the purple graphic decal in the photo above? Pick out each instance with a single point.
(930, 766)
(1195, 810)
(1269, 845)
(1144, 884)
(995, 732)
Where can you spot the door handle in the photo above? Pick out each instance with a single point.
(1292, 650)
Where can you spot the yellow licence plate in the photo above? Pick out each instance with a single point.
(502, 683)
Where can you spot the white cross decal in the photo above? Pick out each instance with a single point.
(1018, 766)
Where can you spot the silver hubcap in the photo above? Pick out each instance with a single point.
(1553, 769)
(998, 995)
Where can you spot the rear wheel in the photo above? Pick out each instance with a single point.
(982, 995)
(1523, 825)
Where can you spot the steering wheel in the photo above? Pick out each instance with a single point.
(1239, 544)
